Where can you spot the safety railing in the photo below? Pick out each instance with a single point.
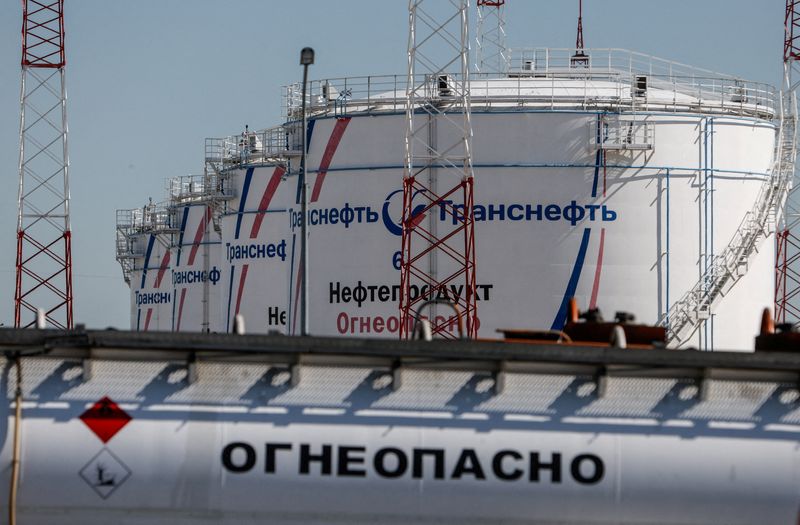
(613, 133)
(132, 223)
(550, 78)
(199, 188)
(250, 147)
(152, 218)
(124, 246)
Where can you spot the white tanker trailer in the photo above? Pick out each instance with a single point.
(143, 429)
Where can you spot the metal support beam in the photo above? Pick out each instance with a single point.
(787, 264)
(44, 239)
(438, 256)
(491, 51)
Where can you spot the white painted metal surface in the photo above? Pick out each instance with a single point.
(143, 247)
(240, 444)
(620, 184)
(258, 251)
(195, 273)
(553, 220)
(151, 286)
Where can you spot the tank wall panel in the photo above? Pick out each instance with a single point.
(257, 250)
(197, 266)
(151, 289)
(629, 232)
(625, 230)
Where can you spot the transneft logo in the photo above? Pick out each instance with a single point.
(349, 214)
(395, 227)
(196, 276)
(418, 463)
(235, 252)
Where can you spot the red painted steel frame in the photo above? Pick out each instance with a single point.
(43, 263)
(787, 279)
(43, 33)
(415, 232)
(791, 49)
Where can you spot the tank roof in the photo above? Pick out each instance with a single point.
(611, 80)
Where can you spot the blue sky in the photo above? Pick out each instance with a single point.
(149, 80)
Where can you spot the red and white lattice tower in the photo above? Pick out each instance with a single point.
(44, 260)
(438, 253)
(787, 275)
(491, 52)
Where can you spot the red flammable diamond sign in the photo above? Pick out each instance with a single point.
(105, 418)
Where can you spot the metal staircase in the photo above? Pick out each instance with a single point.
(686, 315)
(124, 247)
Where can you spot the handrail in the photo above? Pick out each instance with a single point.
(274, 144)
(611, 58)
(546, 78)
(199, 188)
(685, 315)
(152, 218)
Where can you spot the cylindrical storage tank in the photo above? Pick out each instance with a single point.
(623, 203)
(258, 249)
(150, 286)
(196, 272)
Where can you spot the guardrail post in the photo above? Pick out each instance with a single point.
(397, 375)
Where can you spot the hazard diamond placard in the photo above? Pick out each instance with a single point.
(105, 472)
(105, 418)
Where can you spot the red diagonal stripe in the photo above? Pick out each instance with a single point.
(598, 270)
(147, 319)
(327, 157)
(241, 287)
(162, 269)
(269, 192)
(198, 236)
(180, 310)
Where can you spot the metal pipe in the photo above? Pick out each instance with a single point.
(432, 302)
(306, 59)
(14, 486)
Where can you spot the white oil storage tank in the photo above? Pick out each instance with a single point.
(144, 250)
(196, 201)
(622, 184)
(629, 182)
(257, 249)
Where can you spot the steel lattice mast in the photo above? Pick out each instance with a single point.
(44, 258)
(580, 58)
(492, 54)
(438, 252)
(787, 278)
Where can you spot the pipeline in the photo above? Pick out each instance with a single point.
(15, 461)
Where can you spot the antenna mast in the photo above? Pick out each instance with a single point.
(492, 54)
(44, 251)
(787, 267)
(580, 59)
(438, 252)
